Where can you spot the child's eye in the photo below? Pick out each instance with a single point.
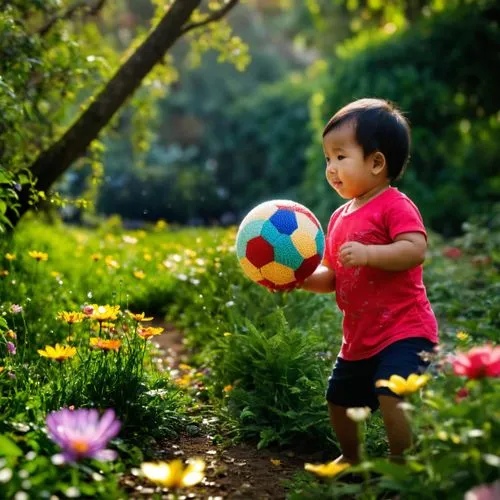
(340, 157)
(327, 159)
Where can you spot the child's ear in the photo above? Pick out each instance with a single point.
(378, 163)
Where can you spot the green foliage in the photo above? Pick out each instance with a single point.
(433, 71)
(278, 383)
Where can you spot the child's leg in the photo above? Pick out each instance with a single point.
(350, 385)
(347, 433)
(400, 358)
(396, 425)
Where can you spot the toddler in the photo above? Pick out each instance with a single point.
(375, 247)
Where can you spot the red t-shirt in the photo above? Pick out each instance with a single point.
(380, 307)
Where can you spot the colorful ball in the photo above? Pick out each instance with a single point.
(279, 244)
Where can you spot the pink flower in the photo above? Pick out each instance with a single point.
(484, 492)
(82, 433)
(11, 347)
(16, 308)
(88, 310)
(479, 362)
(452, 252)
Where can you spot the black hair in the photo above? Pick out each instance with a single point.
(379, 126)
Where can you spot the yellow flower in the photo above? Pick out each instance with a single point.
(161, 224)
(462, 336)
(38, 256)
(71, 317)
(104, 344)
(148, 257)
(401, 386)
(184, 366)
(111, 263)
(173, 474)
(149, 331)
(10, 256)
(139, 275)
(4, 272)
(96, 256)
(227, 334)
(139, 316)
(58, 352)
(330, 469)
(276, 461)
(11, 334)
(2, 368)
(228, 388)
(184, 381)
(105, 313)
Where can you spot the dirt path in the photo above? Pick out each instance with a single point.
(239, 471)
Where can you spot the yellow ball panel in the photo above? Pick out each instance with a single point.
(277, 273)
(306, 224)
(250, 270)
(304, 243)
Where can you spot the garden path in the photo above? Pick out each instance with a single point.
(240, 471)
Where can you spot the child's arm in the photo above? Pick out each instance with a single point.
(321, 281)
(407, 251)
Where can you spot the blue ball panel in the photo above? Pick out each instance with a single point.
(320, 242)
(285, 252)
(270, 233)
(284, 221)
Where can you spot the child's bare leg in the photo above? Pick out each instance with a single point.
(396, 425)
(347, 433)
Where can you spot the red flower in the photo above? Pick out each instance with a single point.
(479, 362)
(452, 252)
(461, 394)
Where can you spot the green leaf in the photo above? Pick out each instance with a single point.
(8, 448)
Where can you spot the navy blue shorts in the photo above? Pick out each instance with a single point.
(352, 383)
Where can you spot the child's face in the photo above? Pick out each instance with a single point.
(347, 170)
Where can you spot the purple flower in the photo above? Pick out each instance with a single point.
(484, 492)
(81, 433)
(11, 347)
(16, 309)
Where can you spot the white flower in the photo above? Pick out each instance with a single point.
(358, 414)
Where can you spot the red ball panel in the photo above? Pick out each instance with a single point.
(259, 252)
(307, 267)
(274, 286)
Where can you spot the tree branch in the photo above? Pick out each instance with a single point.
(69, 12)
(219, 14)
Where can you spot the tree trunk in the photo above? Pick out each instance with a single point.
(51, 163)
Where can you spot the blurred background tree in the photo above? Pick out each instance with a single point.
(203, 141)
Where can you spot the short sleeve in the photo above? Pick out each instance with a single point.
(403, 216)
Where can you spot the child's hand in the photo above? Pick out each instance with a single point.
(353, 254)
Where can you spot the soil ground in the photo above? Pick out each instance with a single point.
(240, 472)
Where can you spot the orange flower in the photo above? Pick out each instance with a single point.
(148, 332)
(107, 345)
(96, 256)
